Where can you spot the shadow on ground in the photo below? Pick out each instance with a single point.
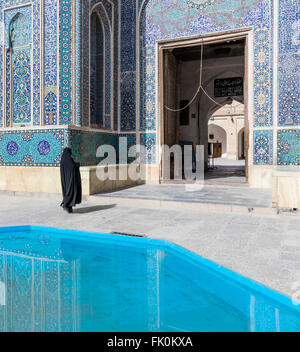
(93, 209)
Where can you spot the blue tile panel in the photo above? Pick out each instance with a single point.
(128, 66)
(30, 34)
(18, 46)
(65, 40)
(108, 12)
(288, 152)
(289, 63)
(85, 63)
(36, 71)
(85, 144)
(78, 58)
(263, 147)
(31, 147)
(50, 61)
(148, 141)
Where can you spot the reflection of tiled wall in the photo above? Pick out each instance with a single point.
(45, 276)
(31, 147)
(288, 152)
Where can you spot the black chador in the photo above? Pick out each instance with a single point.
(70, 181)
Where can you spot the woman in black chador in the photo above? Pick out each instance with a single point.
(70, 181)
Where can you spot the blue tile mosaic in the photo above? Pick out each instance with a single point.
(289, 63)
(65, 39)
(18, 46)
(128, 66)
(288, 152)
(148, 141)
(85, 144)
(31, 147)
(50, 61)
(263, 147)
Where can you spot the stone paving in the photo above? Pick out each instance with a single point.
(227, 171)
(208, 194)
(265, 248)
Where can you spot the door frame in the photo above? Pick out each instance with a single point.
(211, 38)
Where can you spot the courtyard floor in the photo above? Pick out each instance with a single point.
(212, 195)
(264, 247)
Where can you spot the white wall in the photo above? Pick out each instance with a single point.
(188, 82)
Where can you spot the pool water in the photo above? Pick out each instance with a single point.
(63, 280)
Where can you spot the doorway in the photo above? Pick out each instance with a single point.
(188, 115)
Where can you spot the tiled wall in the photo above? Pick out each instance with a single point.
(85, 144)
(130, 88)
(182, 18)
(50, 62)
(288, 152)
(31, 147)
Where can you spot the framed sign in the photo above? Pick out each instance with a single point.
(229, 87)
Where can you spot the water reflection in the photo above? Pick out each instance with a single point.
(50, 282)
(40, 293)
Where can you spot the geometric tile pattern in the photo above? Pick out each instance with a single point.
(108, 14)
(65, 39)
(289, 63)
(36, 65)
(18, 45)
(128, 66)
(96, 73)
(85, 144)
(50, 61)
(78, 58)
(105, 51)
(148, 140)
(21, 85)
(31, 147)
(85, 64)
(288, 152)
(263, 147)
(33, 32)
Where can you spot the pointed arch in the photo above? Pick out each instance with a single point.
(19, 31)
(97, 70)
(19, 67)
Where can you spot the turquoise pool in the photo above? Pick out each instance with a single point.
(63, 280)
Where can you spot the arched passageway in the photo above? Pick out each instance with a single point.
(216, 114)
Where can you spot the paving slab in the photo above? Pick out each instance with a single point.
(265, 248)
(201, 194)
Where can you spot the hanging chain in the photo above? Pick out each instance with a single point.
(199, 88)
